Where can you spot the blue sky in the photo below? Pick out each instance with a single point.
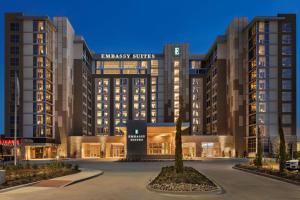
(145, 26)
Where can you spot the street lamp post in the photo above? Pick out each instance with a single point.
(16, 113)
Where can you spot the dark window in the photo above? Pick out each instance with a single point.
(14, 61)
(14, 50)
(14, 26)
(286, 39)
(266, 26)
(286, 84)
(286, 27)
(286, 61)
(251, 144)
(287, 73)
(286, 50)
(286, 96)
(35, 26)
(35, 50)
(14, 39)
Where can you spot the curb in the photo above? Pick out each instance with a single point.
(83, 179)
(267, 175)
(18, 186)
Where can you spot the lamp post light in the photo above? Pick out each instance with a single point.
(17, 96)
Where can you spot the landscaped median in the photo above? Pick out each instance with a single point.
(190, 181)
(25, 174)
(287, 176)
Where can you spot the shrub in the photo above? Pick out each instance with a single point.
(27, 166)
(35, 166)
(76, 167)
(297, 154)
(68, 165)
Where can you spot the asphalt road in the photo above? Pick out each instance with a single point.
(128, 180)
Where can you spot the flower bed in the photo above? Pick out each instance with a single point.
(189, 181)
(290, 175)
(23, 174)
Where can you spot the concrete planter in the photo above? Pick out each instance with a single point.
(2, 176)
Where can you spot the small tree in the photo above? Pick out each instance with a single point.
(258, 161)
(178, 150)
(282, 153)
(275, 147)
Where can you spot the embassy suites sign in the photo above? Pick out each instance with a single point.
(126, 56)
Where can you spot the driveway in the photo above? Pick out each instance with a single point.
(127, 180)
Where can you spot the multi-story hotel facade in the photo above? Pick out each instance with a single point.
(77, 103)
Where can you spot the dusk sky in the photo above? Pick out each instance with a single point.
(145, 26)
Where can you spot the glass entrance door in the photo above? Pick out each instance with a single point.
(189, 150)
(207, 149)
(116, 150)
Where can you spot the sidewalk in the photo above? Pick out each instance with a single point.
(60, 182)
(64, 181)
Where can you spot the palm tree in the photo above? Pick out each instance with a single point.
(259, 153)
(282, 153)
(178, 147)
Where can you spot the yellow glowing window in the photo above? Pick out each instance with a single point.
(130, 64)
(111, 64)
(136, 97)
(144, 64)
(98, 64)
(176, 63)
(154, 62)
(129, 71)
(40, 119)
(111, 71)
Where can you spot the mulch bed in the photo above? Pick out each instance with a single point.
(291, 175)
(188, 181)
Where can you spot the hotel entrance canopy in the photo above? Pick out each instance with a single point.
(162, 129)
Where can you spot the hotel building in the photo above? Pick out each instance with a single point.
(77, 103)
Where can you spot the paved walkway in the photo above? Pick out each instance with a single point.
(64, 181)
(127, 181)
